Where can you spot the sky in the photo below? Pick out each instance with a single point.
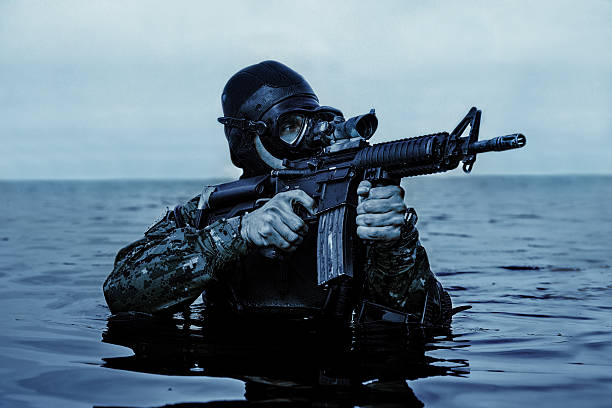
(114, 89)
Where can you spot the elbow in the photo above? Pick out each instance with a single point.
(110, 295)
(121, 298)
(118, 296)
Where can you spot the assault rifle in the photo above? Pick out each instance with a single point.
(331, 178)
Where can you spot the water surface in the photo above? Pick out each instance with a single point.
(532, 255)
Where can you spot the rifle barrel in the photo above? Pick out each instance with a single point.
(498, 144)
(421, 155)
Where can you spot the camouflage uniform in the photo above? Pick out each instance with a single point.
(171, 266)
(174, 263)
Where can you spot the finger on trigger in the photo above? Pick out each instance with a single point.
(304, 199)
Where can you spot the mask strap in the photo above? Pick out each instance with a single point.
(258, 127)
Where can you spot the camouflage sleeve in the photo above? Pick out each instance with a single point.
(398, 276)
(171, 266)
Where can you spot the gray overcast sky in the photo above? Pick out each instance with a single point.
(114, 89)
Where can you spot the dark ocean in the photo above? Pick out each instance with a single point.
(531, 254)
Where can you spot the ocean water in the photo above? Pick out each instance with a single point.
(532, 255)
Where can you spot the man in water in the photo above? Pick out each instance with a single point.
(226, 261)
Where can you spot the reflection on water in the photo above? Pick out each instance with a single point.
(287, 362)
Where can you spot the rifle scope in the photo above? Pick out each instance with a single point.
(362, 126)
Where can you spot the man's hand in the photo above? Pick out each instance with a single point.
(275, 224)
(380, 213)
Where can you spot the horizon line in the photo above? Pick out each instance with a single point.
(229, 178)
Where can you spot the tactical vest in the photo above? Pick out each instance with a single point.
(282, 284)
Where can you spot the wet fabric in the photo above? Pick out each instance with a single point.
(399, 276)
(171, 266)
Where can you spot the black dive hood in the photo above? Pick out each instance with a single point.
(259, 93)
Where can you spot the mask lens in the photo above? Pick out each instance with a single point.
(290, 128)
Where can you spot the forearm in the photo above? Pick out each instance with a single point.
(172, 266)
(399, 275)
